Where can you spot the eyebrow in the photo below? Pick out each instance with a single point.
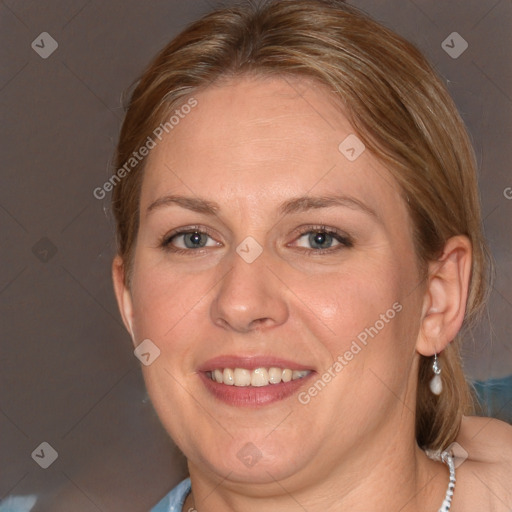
(190, 203)
(305, 203)
(293, 205)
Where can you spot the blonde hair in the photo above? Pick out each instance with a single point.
(398, 107)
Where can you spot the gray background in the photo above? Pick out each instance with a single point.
(68, 374)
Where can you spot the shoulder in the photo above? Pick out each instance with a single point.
(486, 439)
(484, 475)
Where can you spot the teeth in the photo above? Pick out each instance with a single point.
(228, 376)
(275, 375)
(258, 377)
(287, 375)
(242, 377)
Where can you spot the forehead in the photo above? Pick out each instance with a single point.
(262, 141)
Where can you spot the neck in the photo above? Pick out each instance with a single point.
(397, 477)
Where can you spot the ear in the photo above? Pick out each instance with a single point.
(445, 298)
(123, 296)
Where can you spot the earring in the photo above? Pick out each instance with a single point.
(436, 384)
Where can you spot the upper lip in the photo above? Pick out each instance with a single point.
(250, 363)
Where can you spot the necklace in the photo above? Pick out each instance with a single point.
(447, 459)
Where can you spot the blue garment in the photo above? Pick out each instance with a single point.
(173, 502)
(495, 396)
(18, 503)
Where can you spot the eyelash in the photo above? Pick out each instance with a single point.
(166, 244)
(344, 240)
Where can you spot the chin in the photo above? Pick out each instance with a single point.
(259, 462)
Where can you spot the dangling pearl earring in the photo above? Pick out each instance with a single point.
(436, 384)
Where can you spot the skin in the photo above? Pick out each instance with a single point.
(250, 145)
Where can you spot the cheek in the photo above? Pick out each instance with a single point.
(365, 319)
(365, 322)
(346, 302)
(164, 299)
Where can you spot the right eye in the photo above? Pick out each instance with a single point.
(187, 240)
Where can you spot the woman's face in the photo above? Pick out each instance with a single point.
(304, 261)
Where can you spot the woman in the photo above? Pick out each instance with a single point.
(299, 245)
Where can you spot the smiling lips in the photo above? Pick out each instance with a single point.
(242, 377)
(253, 381)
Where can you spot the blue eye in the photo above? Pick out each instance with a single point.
(323, 239)
(182, 241)
(319, 239)
(194, 239)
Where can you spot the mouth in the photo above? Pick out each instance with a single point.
(253, 381)
(259, 377)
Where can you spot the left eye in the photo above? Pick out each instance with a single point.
(320, 240)
(192, 240)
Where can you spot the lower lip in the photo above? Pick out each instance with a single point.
(253, 396)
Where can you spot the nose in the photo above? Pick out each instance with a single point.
(250, 297)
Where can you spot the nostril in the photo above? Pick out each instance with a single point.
(260, 322)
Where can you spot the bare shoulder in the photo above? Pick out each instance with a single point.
(486, 439)
(485, 476)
